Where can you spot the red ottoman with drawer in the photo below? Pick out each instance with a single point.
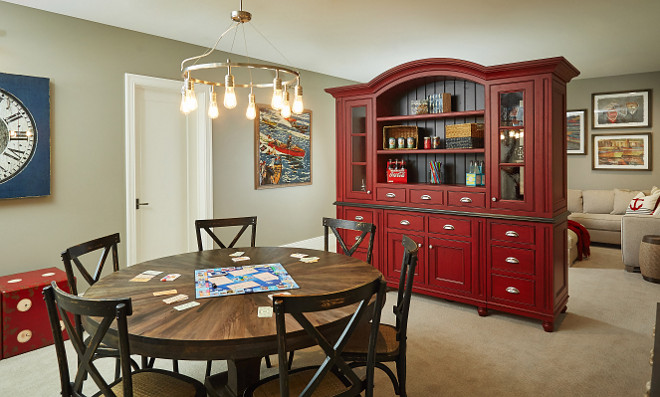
(25, 323)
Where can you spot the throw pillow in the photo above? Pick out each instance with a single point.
(575, 200)
(598, 201)
(622, 199)
(655, 189)
(643, 205)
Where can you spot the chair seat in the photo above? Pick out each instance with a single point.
(331, 385)
(386, 344)
(154, 382)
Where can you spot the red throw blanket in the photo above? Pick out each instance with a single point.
(584, 241)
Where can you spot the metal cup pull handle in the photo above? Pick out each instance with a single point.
(511, 233)
(511, 259)
(466, 200)
(448, 227)
(390, 195)
(512, 290)
(426, 197)
(359, 218)
(405, 222)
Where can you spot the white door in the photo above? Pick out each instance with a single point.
(168, 170)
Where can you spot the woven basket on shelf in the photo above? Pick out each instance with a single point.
(399, 131)
(464, 136)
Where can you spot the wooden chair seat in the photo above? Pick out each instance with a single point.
(155, 382)
(331, 385)
(387, 346)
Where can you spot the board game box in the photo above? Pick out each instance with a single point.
(242, 280)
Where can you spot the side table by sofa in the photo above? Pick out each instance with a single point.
(649, 258)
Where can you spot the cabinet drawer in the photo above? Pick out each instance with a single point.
(428, 197)
(391, 194)
(405, 221)
(359, 215)
(467, 199)
(512, 260)
(453, 226)
(514, 290)
(512, 232)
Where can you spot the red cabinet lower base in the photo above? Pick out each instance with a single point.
(25, 324)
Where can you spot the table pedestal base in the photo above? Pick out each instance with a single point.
(232, 383)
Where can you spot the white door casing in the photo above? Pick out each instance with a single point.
(168, 165)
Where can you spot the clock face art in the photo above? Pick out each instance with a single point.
(24, 136)
(17, 136)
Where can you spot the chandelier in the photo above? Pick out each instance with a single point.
(284, 78)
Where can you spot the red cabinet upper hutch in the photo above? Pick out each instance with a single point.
(500, 245)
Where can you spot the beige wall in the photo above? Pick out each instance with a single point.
(580, 174)
(86, 63)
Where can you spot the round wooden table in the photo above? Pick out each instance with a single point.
(225, 327)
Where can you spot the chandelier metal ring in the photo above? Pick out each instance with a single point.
(217, 65)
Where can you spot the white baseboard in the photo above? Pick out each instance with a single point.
(315, 243)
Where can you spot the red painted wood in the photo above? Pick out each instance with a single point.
(404, 221)
(450, 265)
(504, 261)
(450, 225)
(512, 232)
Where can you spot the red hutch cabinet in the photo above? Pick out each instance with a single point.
(499, 244)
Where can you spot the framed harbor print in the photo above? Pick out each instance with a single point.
(576, 132)
(622, 152)
(283, 148)
(622, 109)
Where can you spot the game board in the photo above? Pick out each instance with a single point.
(242, 280)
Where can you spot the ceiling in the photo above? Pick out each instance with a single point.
(357, 40)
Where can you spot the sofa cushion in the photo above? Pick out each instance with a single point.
(622, 198)
(598, 221)
(574, 203)
(598, 201)
(643, 205)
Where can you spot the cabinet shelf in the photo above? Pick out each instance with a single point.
(431, 116)
(428, 151)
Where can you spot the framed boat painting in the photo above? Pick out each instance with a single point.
(283, 148)
(622, 152)
(576, 133)
(621, 109)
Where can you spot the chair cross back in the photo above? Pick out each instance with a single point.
(109, 310)
(209, 224)
(364, 227)
(296, 306)
(70, 257)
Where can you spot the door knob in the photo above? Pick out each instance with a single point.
(138, 203)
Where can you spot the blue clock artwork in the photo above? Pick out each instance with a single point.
(24, 136)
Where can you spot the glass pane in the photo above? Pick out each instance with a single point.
(512, 183)
(511, 109)
(512, 145)
(358, 149)
(358, 120)
(359, 180)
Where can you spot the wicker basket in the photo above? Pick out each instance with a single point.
(399, 131)
(464, 136)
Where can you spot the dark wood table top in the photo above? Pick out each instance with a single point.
(224, 327)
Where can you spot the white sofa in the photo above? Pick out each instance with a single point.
(633, 228)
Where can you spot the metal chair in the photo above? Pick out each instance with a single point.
(391, 346)
(334, 377)
(144, 382)
(209, 224)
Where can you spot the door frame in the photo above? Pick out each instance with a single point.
(200, 192)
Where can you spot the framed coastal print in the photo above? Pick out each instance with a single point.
(576, 132)
(622, 109)
(283, 148)
(622, 152)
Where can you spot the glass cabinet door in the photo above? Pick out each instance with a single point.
(512, 120)
(357, 143)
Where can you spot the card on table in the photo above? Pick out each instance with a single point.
(265, 311)
(177, 298)
(165, 292)
(237, 253)
(171, 277)
(187, 305)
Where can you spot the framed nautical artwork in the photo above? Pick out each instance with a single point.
(576, 133)
(621, 109)
(622, 152)
(283, 148)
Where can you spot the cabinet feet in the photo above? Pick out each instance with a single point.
(549, 326)
(482, 311)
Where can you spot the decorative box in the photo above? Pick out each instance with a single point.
(474, 179)
(397, 175)
(399, 131)
(464, 136)
(25, 324)
(440, 103)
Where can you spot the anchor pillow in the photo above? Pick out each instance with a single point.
(643, 205)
